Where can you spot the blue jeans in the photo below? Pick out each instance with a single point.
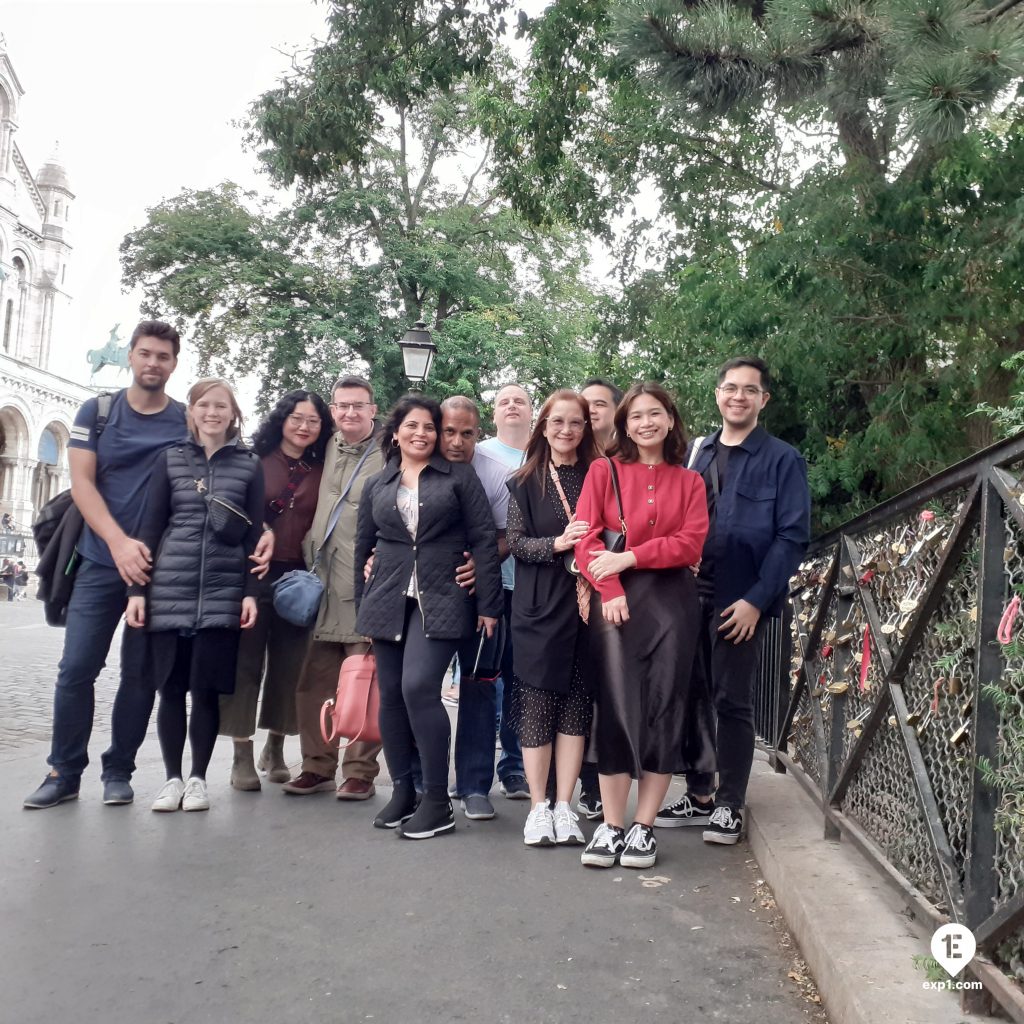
(475, 730)
(97, 603)
(510, 764)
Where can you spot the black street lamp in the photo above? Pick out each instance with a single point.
(418, 351)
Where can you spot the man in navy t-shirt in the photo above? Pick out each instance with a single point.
(109, 477)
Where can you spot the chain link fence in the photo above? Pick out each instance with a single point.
(895, 692)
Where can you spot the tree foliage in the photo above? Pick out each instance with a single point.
(835, 187)
(391, 216)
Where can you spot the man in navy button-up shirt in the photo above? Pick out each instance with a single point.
(759, 510)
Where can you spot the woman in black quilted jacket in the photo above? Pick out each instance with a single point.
(417, 517)
(204, 516)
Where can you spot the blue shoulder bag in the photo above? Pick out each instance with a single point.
(297, 594)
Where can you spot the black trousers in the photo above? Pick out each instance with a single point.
(410, 673)
(731, 670)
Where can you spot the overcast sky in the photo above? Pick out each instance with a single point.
(140, 96)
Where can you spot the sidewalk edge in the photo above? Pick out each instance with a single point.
(851, 929)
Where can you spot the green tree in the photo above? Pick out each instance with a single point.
(837, 191)
(394, 217)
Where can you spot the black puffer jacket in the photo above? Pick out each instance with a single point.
(454, 517)
(198, 581)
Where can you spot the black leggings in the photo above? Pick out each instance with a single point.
(172, 724)
(410, 674)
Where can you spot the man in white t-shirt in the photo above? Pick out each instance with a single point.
(474, 734)
(513, 415)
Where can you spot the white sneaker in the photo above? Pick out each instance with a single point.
(566, 829)
(540, 828)
(169, 798)
(196, 798)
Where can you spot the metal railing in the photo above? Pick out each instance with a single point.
(904, 714)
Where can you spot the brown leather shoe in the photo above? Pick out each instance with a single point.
(356, 789)
(307, 783)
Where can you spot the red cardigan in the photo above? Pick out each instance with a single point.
(666, 515)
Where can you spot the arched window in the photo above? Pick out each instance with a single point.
(49, 447)
(46, 476)
(56, 208)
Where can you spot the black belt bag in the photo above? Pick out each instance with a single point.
(229, 523)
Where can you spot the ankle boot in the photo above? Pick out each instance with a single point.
(433, 817)
(272, 759)
(399, 808)
(243, 771)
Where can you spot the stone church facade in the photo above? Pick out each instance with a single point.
(37, 405)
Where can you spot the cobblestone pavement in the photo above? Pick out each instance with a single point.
(28, 668)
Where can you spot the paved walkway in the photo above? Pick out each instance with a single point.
(284, 910)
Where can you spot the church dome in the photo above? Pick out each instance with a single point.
(53, 174)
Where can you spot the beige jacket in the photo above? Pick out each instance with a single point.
(336, 622)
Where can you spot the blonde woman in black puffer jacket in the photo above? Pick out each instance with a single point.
(203, 519)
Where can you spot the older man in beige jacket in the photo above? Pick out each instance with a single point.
(353, 455)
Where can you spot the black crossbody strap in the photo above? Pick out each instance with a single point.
(713, 470)
(618, 493)
(283, 500)
(200, 478)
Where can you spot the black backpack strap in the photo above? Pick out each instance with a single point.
(104, 400)
(618, 494)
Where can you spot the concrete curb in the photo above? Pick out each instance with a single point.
(850, 926)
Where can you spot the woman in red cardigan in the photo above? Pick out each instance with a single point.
(653, 712)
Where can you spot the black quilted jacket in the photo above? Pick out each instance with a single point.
(198, 581)
(454, 517)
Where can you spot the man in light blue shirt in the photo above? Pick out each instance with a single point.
(513, 416)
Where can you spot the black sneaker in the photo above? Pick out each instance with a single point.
(117, 791)
(725, 827)
(434, 817)
(398, 809)
(590, 806)
(55, 789)
(641, 848)
(515, 788)
(603, 850)
(685, 812)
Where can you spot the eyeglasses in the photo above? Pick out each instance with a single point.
(304, 421)
(574, 426)
(748, 390)
(349, 406)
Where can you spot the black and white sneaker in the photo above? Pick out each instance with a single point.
(399, 808)
(590, 806)
(603, 850)
(434, 817)
(685, 812)
(641, 848)
(725, 827)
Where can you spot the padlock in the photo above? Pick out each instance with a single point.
(917, 714)
(858, 722)
(962, 735)
(923, 724)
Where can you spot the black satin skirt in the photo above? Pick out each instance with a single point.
(653, 710)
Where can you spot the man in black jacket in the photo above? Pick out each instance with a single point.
(759, 509)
